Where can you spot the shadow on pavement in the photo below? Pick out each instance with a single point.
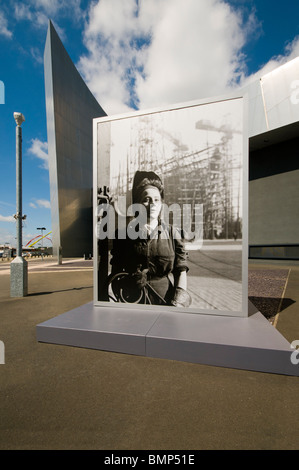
(270, 306)
(55, 291)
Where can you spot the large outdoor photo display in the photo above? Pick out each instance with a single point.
(170, 209)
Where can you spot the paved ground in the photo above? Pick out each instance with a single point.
(57, 397)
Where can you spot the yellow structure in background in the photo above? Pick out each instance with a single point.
(39, 238)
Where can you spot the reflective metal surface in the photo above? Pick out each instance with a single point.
(280, 96)
(274, 99)
(70, 109)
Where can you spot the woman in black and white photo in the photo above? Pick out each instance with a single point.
(156, 261)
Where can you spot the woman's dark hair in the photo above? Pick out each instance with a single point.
(142, 179)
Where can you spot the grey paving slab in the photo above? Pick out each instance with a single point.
(250, 343)
(118, 330)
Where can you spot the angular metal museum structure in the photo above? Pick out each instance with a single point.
(273, 120)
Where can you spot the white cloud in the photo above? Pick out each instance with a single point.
(7, 218)
(55, 7)
(291, 52)
(22, 12)
(37, 55)
(147, 53)
(33, 9)
(165, 51)
(42, 203)
(4, 31)
(113, 56)
(195, 52)
(38, 13)
(40, 150)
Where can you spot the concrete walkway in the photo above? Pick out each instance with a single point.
(57, 397)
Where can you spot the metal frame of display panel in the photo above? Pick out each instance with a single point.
(222, 126)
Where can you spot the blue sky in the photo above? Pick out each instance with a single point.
(132, 54)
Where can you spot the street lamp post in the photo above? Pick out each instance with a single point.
(42, 247)
(19, 267)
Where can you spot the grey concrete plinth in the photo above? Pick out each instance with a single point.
(109, 329)
(18, 277)
(250, 343)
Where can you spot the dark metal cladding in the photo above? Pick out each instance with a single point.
(70, 108)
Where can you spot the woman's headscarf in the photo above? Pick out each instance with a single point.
(144, 179)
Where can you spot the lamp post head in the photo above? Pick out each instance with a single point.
(19, 118)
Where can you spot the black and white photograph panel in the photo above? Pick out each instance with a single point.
(170, 202)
